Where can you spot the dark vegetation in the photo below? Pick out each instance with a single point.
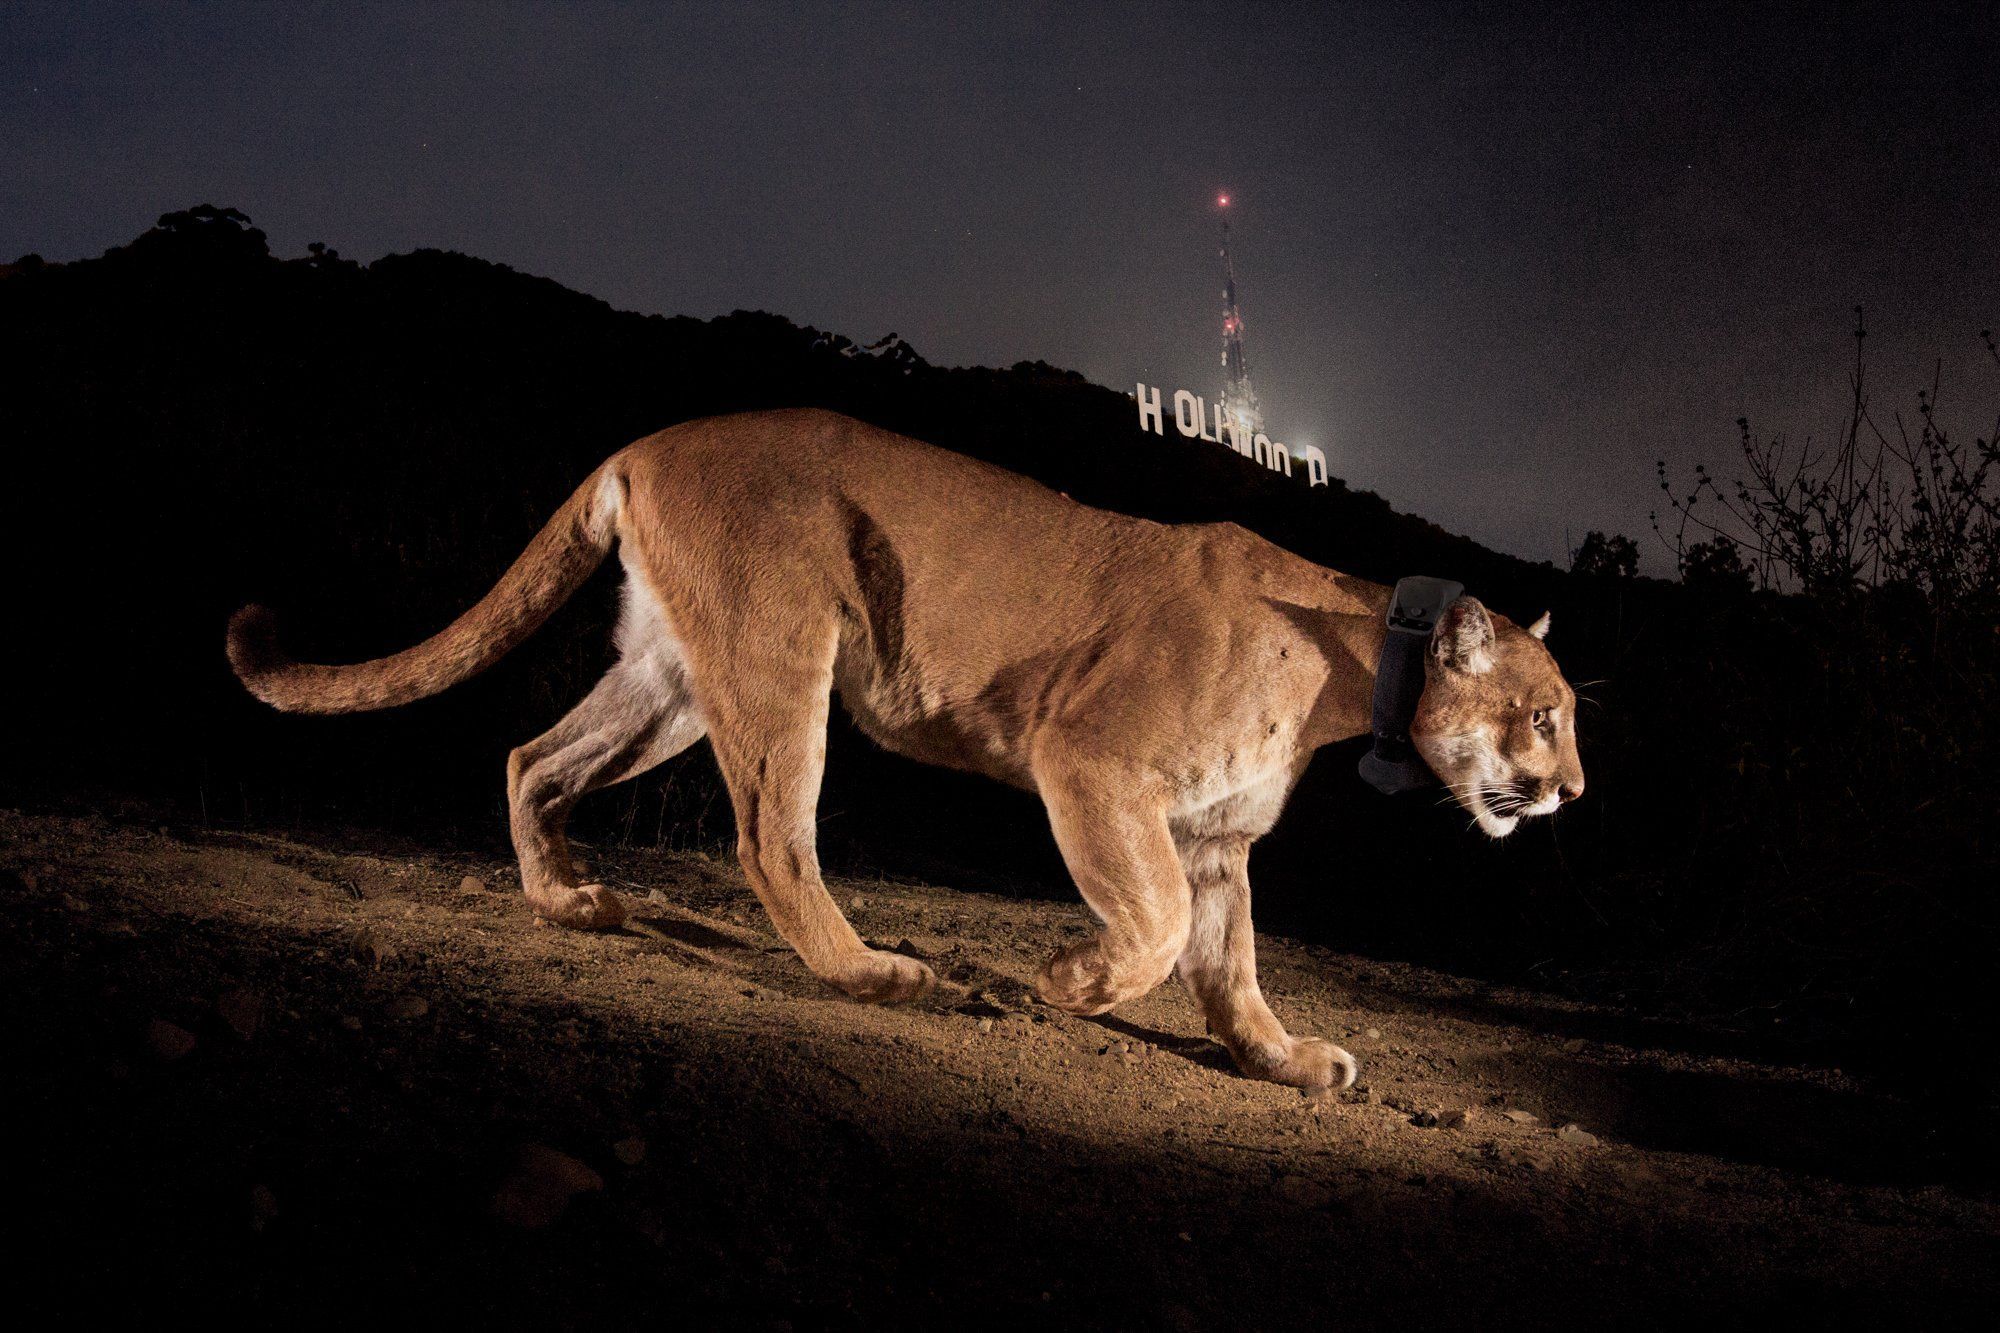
(1791, 813)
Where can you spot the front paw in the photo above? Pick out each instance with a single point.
(877, 977)
(1304, 1062)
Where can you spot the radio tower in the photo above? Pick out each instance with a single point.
(1239, 400)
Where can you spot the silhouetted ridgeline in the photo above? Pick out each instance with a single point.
(194, 424)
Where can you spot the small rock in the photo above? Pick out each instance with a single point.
(263, 1207)
(472, 884)
(169, 1041)
(985, 1025)
(1319, 1094)
(1575, 1045)
(350, 1022)
(408, 1006)
(372, 949)
(1373, 1034)
(1578, 1135)
(859, 901)
(541, 1185)
(1425, 1120)
(631, 1151)
(1522, 1117)
(242, 1010)
(1457, 1118)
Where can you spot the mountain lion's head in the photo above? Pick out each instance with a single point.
(1497, 722)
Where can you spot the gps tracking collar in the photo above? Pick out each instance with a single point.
(1393, 765)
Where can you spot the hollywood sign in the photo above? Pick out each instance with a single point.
(1191, 418)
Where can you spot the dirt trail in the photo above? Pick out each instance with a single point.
(277, 1078)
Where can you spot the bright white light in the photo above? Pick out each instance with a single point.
(1222, 199)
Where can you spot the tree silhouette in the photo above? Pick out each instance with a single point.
(1715, 565)
(1601, 556)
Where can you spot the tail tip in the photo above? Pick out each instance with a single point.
(253, 648)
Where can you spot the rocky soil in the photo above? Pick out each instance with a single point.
(265, 1078)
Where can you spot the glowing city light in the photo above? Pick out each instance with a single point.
(1222, 199)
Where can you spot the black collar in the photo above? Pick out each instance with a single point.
(1393, 764)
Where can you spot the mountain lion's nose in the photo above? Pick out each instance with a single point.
(1570, 791)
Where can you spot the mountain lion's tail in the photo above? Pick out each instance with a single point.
(563, 554)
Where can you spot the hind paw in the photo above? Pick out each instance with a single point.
(589, 907)
(877, 977)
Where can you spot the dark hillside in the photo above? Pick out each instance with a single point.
(193, 423)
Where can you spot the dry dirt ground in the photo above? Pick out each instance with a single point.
(269, 1079)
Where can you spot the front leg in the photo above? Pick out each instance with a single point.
(1220, 966)
(1115, 840)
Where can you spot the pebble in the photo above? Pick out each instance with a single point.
(1522, 1117)
(408, 1006)
(263, 1207)
(472, 884)
(541, 1185)
(350, 1022)
(631, 1151)
(1425, 1120)
(372, 949)
(169, 1041)
(1578, 1135)
(1373, 1034)
(1457, 1118)
(985, 1025)
(242, 1010)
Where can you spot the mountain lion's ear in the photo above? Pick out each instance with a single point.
(1463, 639)
(1540, 629)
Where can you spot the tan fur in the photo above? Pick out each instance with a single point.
(1160, 687)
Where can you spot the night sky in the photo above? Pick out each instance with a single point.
(1492, 261)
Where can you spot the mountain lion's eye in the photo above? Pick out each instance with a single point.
(1540, 718)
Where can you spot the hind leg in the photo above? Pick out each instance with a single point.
(767, 712)
(641, 714)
